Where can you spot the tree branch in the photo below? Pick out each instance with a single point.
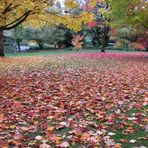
(7, 8)
(12, 8)
(16, 22)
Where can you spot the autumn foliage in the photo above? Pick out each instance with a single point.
(136, 45)
(92, 24)
(74, 100)
(77, 41)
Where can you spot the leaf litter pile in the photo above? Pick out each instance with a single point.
(79, 100)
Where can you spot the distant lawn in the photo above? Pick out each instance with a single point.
(66, 51)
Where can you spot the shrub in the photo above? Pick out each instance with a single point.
(77, 41)
(136, 45)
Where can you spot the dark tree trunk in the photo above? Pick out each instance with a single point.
(55, 46)
(59, 46)
(1, 44)
(101, 36)
(68, 39)
(104, 38)
(40, 45)
(103, 42)
(18, 44)
(147, 46)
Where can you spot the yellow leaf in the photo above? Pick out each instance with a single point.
(57, 139)
(70, 4)
(50, 128)
(50, 117)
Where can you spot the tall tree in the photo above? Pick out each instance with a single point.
(98, 26)
(128, 13)
(39, 35)
(36, 13)
(56, 36)
(15, 12)
(17, 34)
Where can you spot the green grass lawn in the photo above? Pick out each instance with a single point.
(48, 52)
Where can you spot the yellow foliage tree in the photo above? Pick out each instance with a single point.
(36, 13)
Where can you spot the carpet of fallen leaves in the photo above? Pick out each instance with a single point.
(80, 100)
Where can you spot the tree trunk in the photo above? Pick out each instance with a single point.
(59, 45)
(18, 44)
(104, 38)
(40, 45)
(147, 46)
(55, 46)
(1, 44)
(102, 41)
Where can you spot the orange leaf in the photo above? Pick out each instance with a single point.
(1, 118)
(50, 128)
(85, 136)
